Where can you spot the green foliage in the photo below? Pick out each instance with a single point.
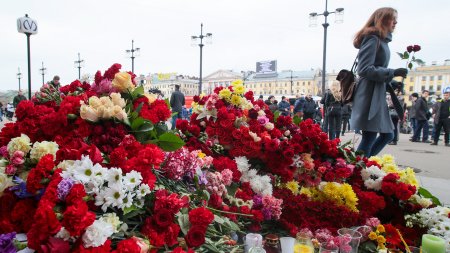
(426, 194)
(169, 141)
(297, 120)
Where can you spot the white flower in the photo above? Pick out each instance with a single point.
(83, 169)
(43, 148)
(255, 137)
(261, 185)
(261, 113)
(112, 219)
(139, 203)
(269, 126)
(114, 176)
(248, 175)
(21, 143)
(143, 190)
(114, 195)
(127, 201)
(100, 200)
(132, 179)
(373, 177)
(97, 234)
(242, 163)
(5, 182)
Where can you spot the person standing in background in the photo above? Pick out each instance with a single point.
(412, 112)
(441, 111)
(284, 107)
(346, 113)
(177, 102)
(19, 97)
(334, 108)
(309, 108)
(325, 116)
(55, 82)
(298, 106)
(421, 107)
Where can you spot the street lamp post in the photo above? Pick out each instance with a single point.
(195, 39)
(19, 76)
(132, 54)
(27, 26)
(43, 72)
(79, 64)
(313, 19)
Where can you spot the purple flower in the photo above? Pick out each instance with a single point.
(64, 188)
(267, 213)
(7, 243)
(20, 189)
(257, 201)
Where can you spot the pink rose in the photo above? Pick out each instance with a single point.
(17, 158)
(263, 120)
(141, 243)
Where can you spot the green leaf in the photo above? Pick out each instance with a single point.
(420, 62)
(406, 55)
(400, 54)
(183, 221)
(170, 142)
(127, 210)
(218, 219)
(276, 115)
(138, 109)
(206, 195)
(137, 123)
(143, 128)
(138, 91)
(426, 194)
(167, 102)
(410, 65)
(297, 119)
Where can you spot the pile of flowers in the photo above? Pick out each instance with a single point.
(98, 170)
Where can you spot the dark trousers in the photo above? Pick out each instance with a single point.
(371, 144)
(421, 125)
(334, 126)
(325, 122)
(345, 124)
(413, 125)
(174, 119)
(443, 123)
(395, 122)
(308, 115)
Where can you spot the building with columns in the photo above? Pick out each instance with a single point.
(218, 78)
(165, 82)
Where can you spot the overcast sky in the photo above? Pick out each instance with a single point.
(244, 32)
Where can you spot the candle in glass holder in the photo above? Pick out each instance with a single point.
(302, 248)
(432, 243)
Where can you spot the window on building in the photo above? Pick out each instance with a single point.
(439, 87)
(298, 83)
(431, 78)
(411, 79)
(424, 78)
(423, 87)
(439, 78)
(309, 83)
(431, 87)
(285, 91)
(411, 88)
(285, 84)
(303, 83)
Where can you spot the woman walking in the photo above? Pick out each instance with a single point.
(370, 111)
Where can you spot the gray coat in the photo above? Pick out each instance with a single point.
(370, 110)
(177, 101)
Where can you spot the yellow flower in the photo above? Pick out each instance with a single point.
(151, 97)
(381, 239)
(225, 94)
(388, 159)
(293, 186)
(380, 229)
(372, 236)
(122, 81)
(201, 155)
(237, 82)
(390, 168)
(238, 88)
(306, 191)
(235, 100)
(408, 176)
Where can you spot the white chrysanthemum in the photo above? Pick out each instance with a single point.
(114, 176)
(248, 175)
(114, 195)
(132, 179)
(97, 234)
(261, 185)
(100, 200)
(83, 169)
(143, 190)
(373, 177)
(21, 143)
(127, 201)
(112, 219)
(242, 163)
(139, 203)
(99, 174)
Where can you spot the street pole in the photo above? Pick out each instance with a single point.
(79, 67)
(339, 12)
(292, 84)
(19, 76)
(43, 72)
(194, 38)
(131, 52)
(29, 65)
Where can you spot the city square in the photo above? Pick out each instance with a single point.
(225, 126)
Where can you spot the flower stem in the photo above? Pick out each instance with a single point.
(220, 211)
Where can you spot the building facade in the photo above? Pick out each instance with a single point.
(165, 82)
(219, 78)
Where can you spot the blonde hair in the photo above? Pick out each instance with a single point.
(336, 90)
(378, 24)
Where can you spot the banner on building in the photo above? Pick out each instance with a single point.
(266, 67)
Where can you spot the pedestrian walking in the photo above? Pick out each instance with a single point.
(370, 111)
(177, 102)
(441, 111)
(334, 107)
(422, 116)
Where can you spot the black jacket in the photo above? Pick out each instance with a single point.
(309, 106)
(177, 101)
(421, 107)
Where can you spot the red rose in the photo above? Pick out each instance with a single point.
(196, 236)
(55, 245)
(409, 49)
(201, 217)
(128, 246)
(416, 48)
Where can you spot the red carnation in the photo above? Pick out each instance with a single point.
(196, 236)
(77, 218)
(55, 245)
(128, 246)
(163, 217)
(201, 217)
(76, 194)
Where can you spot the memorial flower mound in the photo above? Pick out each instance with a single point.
(97, 170)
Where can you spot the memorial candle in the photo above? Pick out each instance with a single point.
(434, 244)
